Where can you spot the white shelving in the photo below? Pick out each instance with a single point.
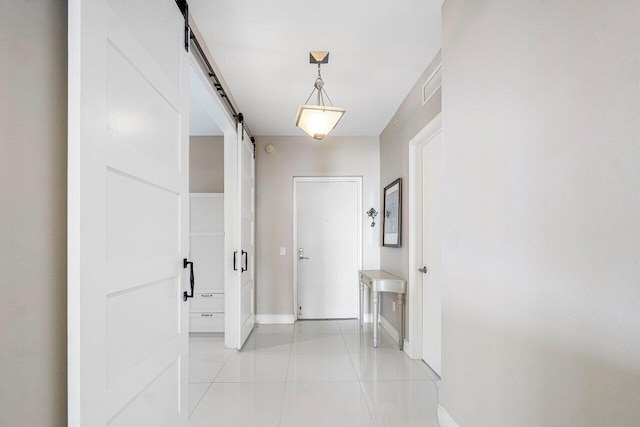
(207, 254)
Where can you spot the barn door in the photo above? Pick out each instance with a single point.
(246, 169)
(128, 213)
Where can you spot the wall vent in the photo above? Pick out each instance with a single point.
(431, 86)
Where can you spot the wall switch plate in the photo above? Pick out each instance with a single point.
(283, 251)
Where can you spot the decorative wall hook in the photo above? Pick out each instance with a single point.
(372, 213)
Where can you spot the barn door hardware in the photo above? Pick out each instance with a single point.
(246, 262)
(184, 9)
(217, 84)
(186, 264)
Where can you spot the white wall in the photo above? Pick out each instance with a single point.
(541, 239)
(206, 164)
(302, 156)
(33, 215)
(411, 118)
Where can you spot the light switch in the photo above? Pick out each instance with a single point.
(283, 251)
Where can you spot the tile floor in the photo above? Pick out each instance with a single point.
(313, 373)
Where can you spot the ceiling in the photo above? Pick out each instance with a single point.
(201, 123)
(378, 50)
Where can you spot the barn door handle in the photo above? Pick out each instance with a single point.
(246, 262)
(186, 264)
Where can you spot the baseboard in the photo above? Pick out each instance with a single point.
(389, 328)
(406, 347)
(274, 319)
(444, 419)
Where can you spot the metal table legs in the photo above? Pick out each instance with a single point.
(401, 320)
(375, 311)
(361, 303)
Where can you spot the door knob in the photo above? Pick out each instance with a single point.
(423, 270)
(301, 255)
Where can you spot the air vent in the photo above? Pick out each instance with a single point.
(431, 86)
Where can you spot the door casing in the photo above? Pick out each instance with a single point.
(413, 347)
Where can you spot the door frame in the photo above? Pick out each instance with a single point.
(422, 138)
(215, 108)
(294, 250)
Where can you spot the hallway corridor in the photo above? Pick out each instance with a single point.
(313, 373)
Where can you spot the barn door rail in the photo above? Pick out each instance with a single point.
(183, 5)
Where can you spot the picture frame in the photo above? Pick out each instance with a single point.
(392, 215)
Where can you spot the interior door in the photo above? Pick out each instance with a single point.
(431, 251)
(327, 256)
(246, 170)
(128, 214)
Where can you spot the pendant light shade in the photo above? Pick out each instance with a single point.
(318, 120)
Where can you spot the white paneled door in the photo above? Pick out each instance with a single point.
(246, 169)
(431, 170)
(327, 256)
(128, 213)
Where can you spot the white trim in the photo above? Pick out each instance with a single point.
(207, 234)
(444, 419)
(433, 78)
(74, 319)
(407, 348)
(206, 195)
(275, 319)
(414, 300)
(294, 252)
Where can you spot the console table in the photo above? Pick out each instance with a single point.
(381, 281)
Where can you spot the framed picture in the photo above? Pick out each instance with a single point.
(392, 220)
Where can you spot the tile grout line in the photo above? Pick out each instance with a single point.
(201, 398)
(286, 376)
(224, 364)
(210, 384)
(362, 392)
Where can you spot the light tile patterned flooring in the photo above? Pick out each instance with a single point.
(313, 373)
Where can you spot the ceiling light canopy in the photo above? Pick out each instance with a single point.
(318, 120)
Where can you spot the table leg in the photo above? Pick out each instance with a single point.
(361, 303)
(374, 310)
(401, 323)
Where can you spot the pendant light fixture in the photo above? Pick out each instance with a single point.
(318, 120)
